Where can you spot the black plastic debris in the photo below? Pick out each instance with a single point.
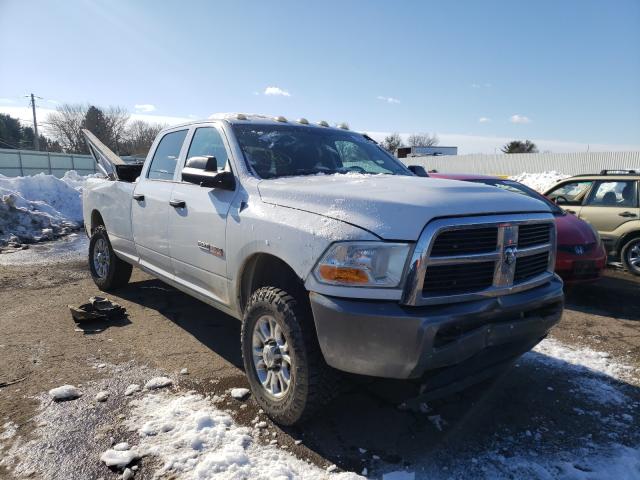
(98, 308)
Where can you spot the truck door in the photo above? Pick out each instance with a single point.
(198, 221)
(610, 204)
(150, 208)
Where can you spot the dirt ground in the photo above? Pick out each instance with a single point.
(41, 348)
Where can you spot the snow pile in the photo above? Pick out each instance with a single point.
(195, 440)
(540, 182)
(119, 457)
(158, 382)
(240, 393)
(40, 207)
(65, 392)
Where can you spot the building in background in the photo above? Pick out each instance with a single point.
(404, 152)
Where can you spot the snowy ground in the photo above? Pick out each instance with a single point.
(171, 432)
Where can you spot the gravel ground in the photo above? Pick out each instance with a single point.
(546, 408)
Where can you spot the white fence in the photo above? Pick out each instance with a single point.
(14, 163)
(513, 164)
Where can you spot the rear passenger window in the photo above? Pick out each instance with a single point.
(614, 194)
(165, 158)
(207, 141)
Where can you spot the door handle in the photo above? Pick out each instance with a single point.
(178, 203)
(627, 214)
(570, 211)
(139, 197)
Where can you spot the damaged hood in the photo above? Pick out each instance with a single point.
(391, 206)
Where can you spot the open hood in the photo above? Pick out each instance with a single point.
(393, 207)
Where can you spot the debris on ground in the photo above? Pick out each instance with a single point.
(158, 382)
(102, 396)
(65, 392)
(98, 308)
(240, 393)
(131, 389)
(184, 371)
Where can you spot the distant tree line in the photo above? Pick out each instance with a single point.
(111, 125)
(64, 130)
(13, 134)
(393, 141)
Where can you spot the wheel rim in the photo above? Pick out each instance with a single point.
(271, 358)
(633, 257)
(101, 258)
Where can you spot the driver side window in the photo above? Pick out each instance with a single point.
(207, 141)
(571, 193)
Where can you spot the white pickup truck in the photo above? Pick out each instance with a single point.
(331, 252)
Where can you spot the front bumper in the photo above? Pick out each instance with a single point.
(581, 268)
(385, 339)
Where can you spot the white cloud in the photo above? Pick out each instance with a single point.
(388, 99)
(7, 100)
(475, 85)
(483, 85)
(53, 102)
(484, 120)
(521, 119)
(144, 108)
(276, 91)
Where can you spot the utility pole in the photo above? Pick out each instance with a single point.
(36, 138)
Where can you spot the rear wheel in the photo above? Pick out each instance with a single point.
(107, 270)
(631, 256)
(283, 363)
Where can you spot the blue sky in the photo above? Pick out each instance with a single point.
(566, 73)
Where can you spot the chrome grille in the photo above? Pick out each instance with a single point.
(458, 278)
(461, 259)
(533, 234)
(456, 242)
(531, 266)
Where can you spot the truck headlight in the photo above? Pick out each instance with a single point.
(363, 264)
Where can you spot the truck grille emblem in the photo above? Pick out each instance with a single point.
(510, 254)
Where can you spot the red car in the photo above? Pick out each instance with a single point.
(581, 256)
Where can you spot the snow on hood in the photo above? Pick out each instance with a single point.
(392, 207)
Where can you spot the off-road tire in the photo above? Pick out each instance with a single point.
(313, 382)
(625, 255)
(118, 271)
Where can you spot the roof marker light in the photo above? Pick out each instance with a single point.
(343, 126)
(241, 116)
(280, 118)
(322, 123)
(303, 121)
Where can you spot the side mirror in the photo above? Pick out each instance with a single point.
(418, 170)
(208, 163)
(203, 171)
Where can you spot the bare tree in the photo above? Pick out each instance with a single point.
(392, 142)
(65, 125)
(139, 136)
(422, 140)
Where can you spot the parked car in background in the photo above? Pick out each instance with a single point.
(609, 202)
(581, 256)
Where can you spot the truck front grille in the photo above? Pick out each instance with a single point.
(457, 242)
(533, 234)
(531, 266)
(447, 279)
(460, 259)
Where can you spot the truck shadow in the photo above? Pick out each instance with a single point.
(613, 295)
(545, 410)
(217, 331)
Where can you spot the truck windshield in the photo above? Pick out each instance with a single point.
(287, 150)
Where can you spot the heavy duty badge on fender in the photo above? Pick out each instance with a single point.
(218, 252)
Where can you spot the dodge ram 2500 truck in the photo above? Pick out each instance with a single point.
(333, 255)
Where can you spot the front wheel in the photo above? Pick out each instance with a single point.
(285, 368)
(631, 256)
(107, 270)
